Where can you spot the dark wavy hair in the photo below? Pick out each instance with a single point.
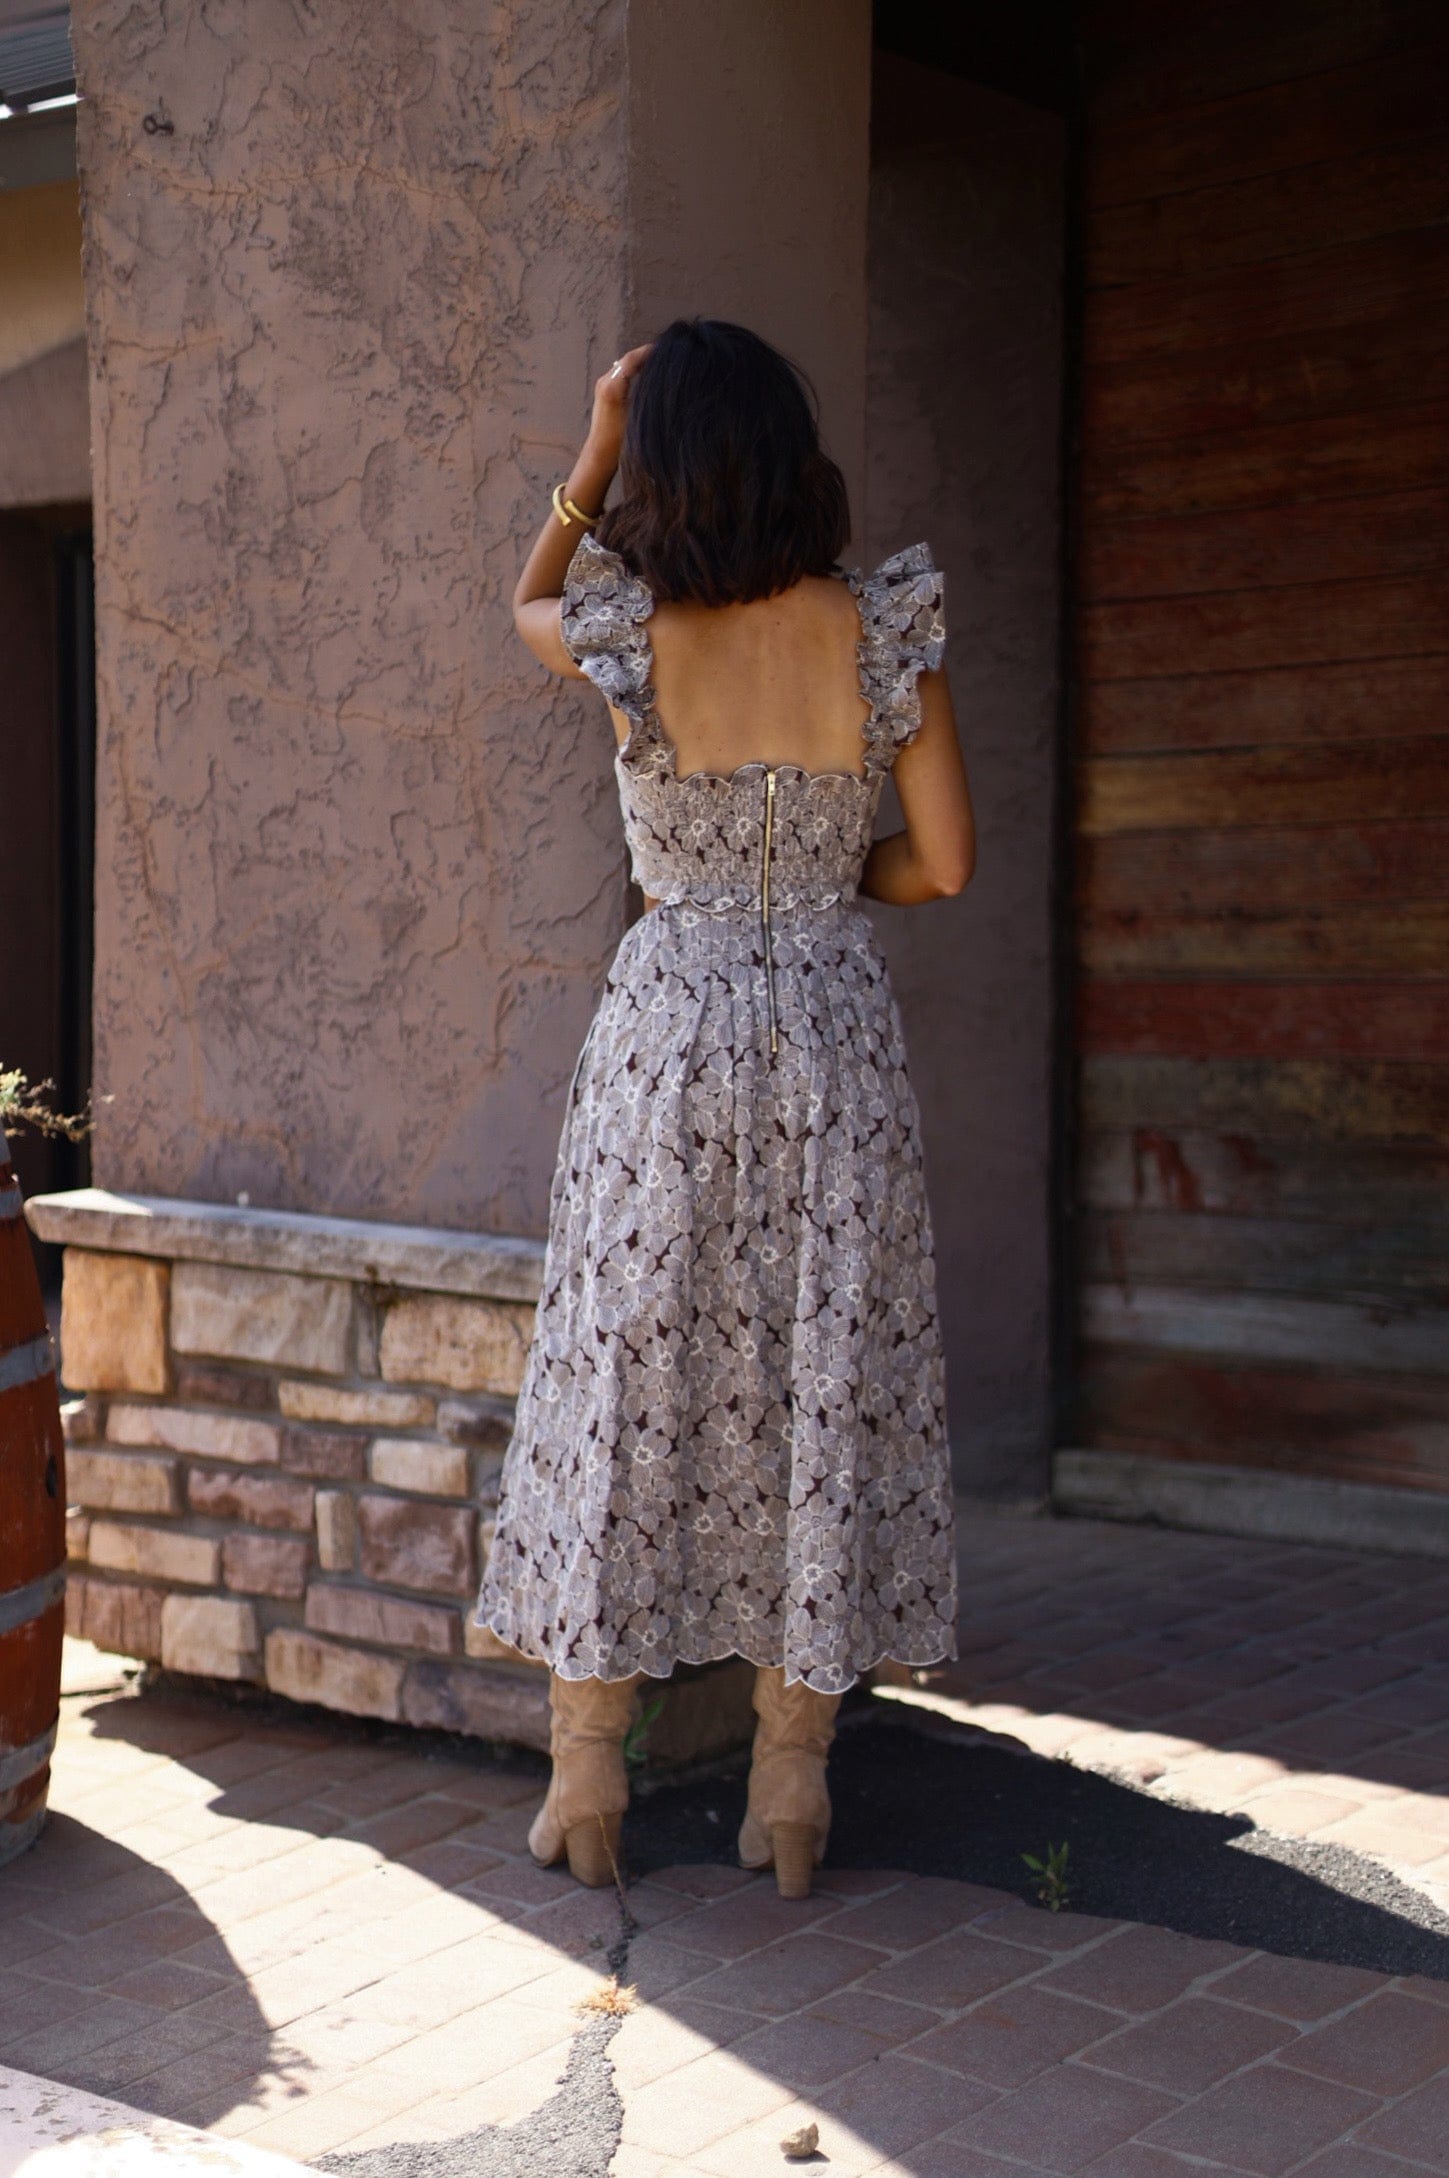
(727, 492)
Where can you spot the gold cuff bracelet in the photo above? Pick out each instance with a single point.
(567, 512)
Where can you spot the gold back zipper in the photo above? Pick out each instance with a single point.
(765, 906)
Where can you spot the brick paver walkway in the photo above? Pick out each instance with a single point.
(945, 2031)
(313, 1938)
(1308, 1688)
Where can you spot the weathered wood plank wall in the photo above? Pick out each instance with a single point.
(1262, 784)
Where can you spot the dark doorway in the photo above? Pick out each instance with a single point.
(47, 802)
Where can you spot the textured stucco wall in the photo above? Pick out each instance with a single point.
(357, 869)
(360, 870)
(965, 339)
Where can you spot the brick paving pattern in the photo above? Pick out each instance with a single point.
(1016, 2040)
(313, 1939)
(1307, 1688)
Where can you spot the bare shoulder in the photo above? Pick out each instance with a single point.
(828, 596)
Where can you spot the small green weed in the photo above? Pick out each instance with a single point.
(1051, 1875)
(636, 1739)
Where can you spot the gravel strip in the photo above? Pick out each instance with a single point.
(572, 2135)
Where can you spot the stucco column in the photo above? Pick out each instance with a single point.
(348, 279)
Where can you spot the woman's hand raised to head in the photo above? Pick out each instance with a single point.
(536, 598)
(611, 404)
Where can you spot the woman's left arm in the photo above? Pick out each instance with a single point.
(540, 586)
(935, 856)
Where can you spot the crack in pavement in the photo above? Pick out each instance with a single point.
(572, 2135)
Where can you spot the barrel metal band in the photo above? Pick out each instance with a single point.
(10, 1201)
(24, 1364)
(18, 1763)
(17, 1838)
(19, 1605)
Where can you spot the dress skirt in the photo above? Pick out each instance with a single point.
(730, 1438)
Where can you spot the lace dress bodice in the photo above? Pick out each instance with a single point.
(699, 839)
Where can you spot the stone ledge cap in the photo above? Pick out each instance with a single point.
(483, 1266)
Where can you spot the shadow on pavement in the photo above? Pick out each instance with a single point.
(931, 1804)
(112, 1977)
(122, 1983)
(969, 1807)
(108, 1968)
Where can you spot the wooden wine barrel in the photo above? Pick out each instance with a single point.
(32, 1532)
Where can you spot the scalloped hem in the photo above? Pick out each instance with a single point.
(950, 1654)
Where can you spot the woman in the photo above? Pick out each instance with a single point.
(731, 1434)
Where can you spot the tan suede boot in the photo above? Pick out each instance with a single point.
(583, 1813)
(788, 1815)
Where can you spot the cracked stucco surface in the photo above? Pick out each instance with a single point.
(359, 871)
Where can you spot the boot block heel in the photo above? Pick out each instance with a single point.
(792, 1846)
(593, 1851)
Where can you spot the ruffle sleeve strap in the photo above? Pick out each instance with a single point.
(903, 634)
(604, 613)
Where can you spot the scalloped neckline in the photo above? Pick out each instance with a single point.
(728, 778)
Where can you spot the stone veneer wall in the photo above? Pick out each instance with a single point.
(284, 1453)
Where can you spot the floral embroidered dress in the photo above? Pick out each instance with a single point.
(730, 1438)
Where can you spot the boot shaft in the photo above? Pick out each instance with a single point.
(792, 1741)
(590, 1712)
(792, 1717)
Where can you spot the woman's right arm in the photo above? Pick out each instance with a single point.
(935, 856)
(540, 587)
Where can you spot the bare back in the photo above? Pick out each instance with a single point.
(775, 681)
